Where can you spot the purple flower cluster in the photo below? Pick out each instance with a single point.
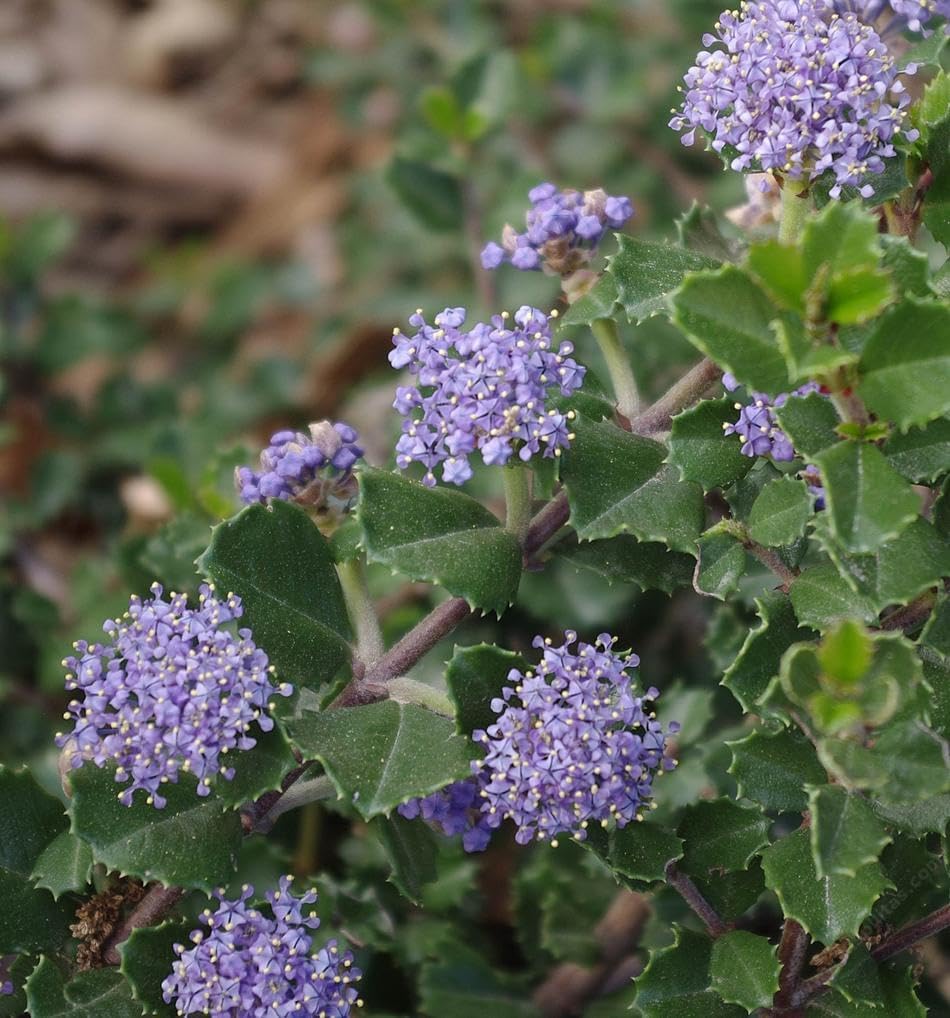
(485, 388)
(314, 468)
(252, 965)
(796, 87)
(563, 229)
(173, 691)
(757, 427)
(7, 989)
(914, 14)
(573, 745)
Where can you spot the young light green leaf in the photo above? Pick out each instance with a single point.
(647, 273)
(780, 513)
(845, 834)
(822, 597)
(440, 536)
(283, 570)
(383, 754)
(868, 501)
(192, 842)
(728, 316)
(744, 969)
(828, 907)
(774, 768)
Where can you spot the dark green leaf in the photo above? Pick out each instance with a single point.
(828, 907)
(700, 449)
(857, 978)
(600, 302)
(905, 365)
(383, 754)
(433, 197)
(773, 769)
(411, 850)
(192, 842)
(647, 273)
(845, 833)
(921, 454)
(780, 513)
(475, 676)
(729, 317)
(929, 816)
(744, 969)
(463, 986)
(720, 836)
(699, 230)
(32, 920)
(64, 865)
(441, 536)
(29, 820)
(642, 851)
(283, 570)
(868, 501)
(616, 483)
(909, 267)
(624, 559)
(732, 894)
(101, 993)
(147, 959)
(822, 597)
(722, 564)
(809, 422)
(257, 770)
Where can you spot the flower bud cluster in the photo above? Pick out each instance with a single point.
(172, 691)
(485, 389)
(573, 745)
(248, 964)
(564, 228)
(757, 427)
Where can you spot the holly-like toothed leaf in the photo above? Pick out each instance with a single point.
(617, 483)
(909, 268)
(464, 986)
(733, 894)
(100, 993)
(805, 359)
(147, 960)
(720, 836)
(641, 851)
(431, 195)
(475, 676)
(858, 978)
(624, 559)
(905, 366)
(440, 536)
(410, 848)
(810, 422)
(722, 564)
(921, 454)
(774, 768)
(701, 450)
(900, 992)
(677, 982)
(598, 303)
(383, 754)
(780, 513)
(929, 816)
(30, 820)
(822, 597)
(758, 661)
(192, 842)
(744, 969)
(828, 907)
(937, 203)
(699, 230)
(64, 865)
(647, 273)
(729, 317)
(257, 770)
(845, 833)
(924, 52)
(892, 988)
(898, 570)
(283, 569)
(868, 501)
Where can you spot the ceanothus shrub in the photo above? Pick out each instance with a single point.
(785, 809)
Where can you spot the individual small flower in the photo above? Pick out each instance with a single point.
(757, 426)
(314, 469)
(7, 989)
(485, 389)
(563, 229)
(796, 87)
(573, 745)
(260, 962)
(173, 690)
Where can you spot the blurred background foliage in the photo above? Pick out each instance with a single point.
(213, 214)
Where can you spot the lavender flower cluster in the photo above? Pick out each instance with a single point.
(563, 230)
(484, 389)
(173, 691)
(757, 427)
(573, 745)
(252, 965)
(914, 14)
(796, 87)
(315, 468)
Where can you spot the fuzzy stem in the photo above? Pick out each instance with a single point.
(369, 638)
(156, 904)
(693, 897)
(795, 208)
(406, 690)
(618, 367)
(518, 484)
